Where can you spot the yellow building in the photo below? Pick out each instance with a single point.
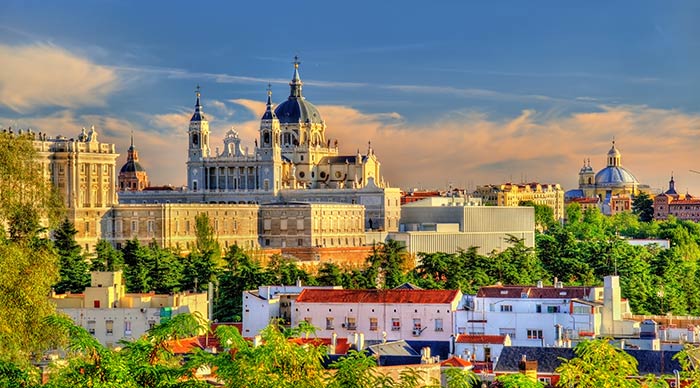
(106, 311)
(299, 224)
(512, 194)
(82, 169)
(173, 224)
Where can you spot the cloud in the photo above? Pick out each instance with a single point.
(471, 148)
(45, 75)
(463, 148)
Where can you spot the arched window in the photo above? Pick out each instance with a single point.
(195, 139)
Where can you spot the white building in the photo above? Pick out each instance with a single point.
(266, 303)
(547, 315)
(477, 347)
(110, 314)
(443, 224)
(420, 317)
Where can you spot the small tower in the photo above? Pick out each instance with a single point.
(614, 156)
(269, 151)
(198, 132)
(198, 135)
(132, 177)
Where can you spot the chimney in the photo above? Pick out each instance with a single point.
(528, 368)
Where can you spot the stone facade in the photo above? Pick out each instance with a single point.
(82, 170)
(173, 225)
(311, 224)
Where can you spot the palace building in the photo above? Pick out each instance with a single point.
(294, 173)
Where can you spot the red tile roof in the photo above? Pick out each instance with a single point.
(480, 339)
(456, 362)
(184, 345)
(341, 346)
(378, 296)
(546, 292)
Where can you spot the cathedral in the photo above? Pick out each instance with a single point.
(292, 152)
(613, 187)
(293, 160)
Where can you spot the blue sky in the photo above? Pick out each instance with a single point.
(460, 93)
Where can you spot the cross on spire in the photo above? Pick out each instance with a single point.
(197, 91)
(296, 62)
(269, 89)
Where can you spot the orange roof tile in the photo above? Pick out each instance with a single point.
(184, 345)
(456, 362)
(377, 296)
(480, 339)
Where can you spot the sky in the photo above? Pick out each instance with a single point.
(456, 93)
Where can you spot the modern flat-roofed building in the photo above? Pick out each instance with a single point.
(444, 224)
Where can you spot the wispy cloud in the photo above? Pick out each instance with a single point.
(39, 75)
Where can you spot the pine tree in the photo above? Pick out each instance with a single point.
(73, 269)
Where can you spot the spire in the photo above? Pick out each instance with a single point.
(295, 85)
(269, 113)
(671, 186)
(132, 141)
(198, 112)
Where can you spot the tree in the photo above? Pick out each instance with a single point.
(544, 215)
(27, 273)
(203, 264)
(598, 364)
(643, 206)
(74, 269)
(27, 197)
(106, 258)
(391, 260)
(518, 380)
(28, 262)
(241, 273)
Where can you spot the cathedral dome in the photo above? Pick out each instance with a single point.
(131, 166)
(614, 176)
(296, 109)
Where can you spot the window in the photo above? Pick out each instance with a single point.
(308, 320)
(351, 323)
(582, 310)
(552, 309)
(109, 324)
(329, 323)
(538, 308)
(134, 227)
(267, 242)
(395, 324)
(506, 308)
(534, 334)
(416, 324)
(151, 324)
(438, 324)
(91, 327)
(373, 324)
(127, 328)
(507, 331)
(96, 303)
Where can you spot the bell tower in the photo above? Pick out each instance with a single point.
(270, 152)
(198, 138)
